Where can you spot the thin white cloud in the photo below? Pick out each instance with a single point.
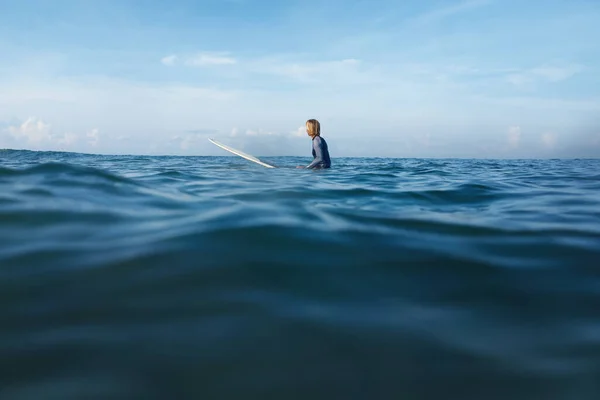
(201, 59)
(557, 74)
(543, 104)
(518, 79)
(169, 60)
(441, 13)
(345, 70)
(544, 73)
(514, 136)
(207, 59)
(192, 93)
(259, 132)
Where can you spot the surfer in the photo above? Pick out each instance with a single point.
(320, 151)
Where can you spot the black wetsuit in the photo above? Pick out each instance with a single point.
(320, 154)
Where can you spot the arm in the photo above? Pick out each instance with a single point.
(318, 148)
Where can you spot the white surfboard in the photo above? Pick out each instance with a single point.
(240, 153)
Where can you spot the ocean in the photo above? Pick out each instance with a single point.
(147, 277)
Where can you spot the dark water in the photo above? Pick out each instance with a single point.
(194, 278)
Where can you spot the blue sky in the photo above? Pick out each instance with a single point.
(472, 78)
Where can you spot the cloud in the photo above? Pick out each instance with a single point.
(518, 79)
(544, 105)
(345, 71)
(67, 140)
(300, 132)
(33, 131)
(557, 74)
(146, 112)
(514, 136)
(386, 98)
(544, 73)
(202, 59)
(259, 132)
(449, 11)
(36, 134)
(169, 60)
(205, 59)
(94, 138)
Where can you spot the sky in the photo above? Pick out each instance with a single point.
(455, 78)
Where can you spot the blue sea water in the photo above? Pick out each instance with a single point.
(130, 277)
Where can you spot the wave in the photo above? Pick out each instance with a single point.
(130, 277)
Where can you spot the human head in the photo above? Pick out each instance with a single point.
(313, 128)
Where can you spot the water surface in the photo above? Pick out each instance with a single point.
(212, 277)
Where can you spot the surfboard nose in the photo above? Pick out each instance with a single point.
(241, 154)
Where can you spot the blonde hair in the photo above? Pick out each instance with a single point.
(313, 127)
